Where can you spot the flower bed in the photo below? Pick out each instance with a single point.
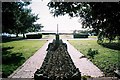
(57, 65)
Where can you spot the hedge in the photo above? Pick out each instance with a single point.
(80, 35)
(34, 36)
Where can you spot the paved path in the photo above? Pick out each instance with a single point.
(28, 69)
(85, 66)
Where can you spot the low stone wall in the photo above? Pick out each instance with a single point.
(57, 65)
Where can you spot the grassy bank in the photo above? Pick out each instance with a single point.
(107, 59)
(15, 53)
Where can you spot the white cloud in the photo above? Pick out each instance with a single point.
(49, 22)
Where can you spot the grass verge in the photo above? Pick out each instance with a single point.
(15, 53)
(106, 59)
(92, 37)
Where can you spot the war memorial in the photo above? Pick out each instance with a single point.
(57, 64)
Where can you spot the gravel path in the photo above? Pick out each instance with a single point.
(28, 69)
(85, 66)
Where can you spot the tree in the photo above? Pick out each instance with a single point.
(35, 28)
(8, 21)
(10, 12)
(102, 17)
(107, 18)
(16, 18)
(27, 19)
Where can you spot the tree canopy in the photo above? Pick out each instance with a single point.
(17, 18)
(103, 17)
(35, 28)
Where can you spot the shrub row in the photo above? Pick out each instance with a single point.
(34, 36)
(80, 35)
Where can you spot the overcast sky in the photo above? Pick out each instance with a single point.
(49, 22)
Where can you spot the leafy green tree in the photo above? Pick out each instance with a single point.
(10, 12)
(8, 21)
(27, 19)
(16, 18)
(102, 17)
(35, 28)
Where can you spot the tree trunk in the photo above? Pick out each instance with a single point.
(110, 40)
(16, 34)
(118, 39)
(23, 35)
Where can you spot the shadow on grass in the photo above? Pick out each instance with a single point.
(10, 57)
(6, 48)
(115, 46)
(11, 60)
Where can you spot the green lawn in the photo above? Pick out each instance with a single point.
(92, 36)
(15, 53)
(106, 59)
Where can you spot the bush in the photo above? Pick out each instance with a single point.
(80, 35)
(34, 36)
(92, 53)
